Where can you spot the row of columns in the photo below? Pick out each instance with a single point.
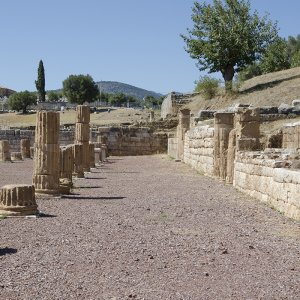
(54, 166)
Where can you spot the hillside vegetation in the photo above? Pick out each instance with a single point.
(266, 90)
(114, 87)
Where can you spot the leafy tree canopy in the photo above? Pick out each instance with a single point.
(20, 101)
(53, 96)
(226, 36)
(80, 88)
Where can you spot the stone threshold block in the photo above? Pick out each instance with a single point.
(18, 200)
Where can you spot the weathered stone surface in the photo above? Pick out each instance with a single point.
(4, 151)
(18, 200)
(66, 169)
(25, 148)
(78, 166)
(223, 126)
(83, 114)
(231, 156)
(82, 136)
(47, 155)
(92, 155)
(267, 179)
(182, 128)
(15, 156)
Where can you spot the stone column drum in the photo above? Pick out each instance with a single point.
(92, 155)
(66, 169)
(18, 200)
(82, 134)
(25, 148)
(77, 150)
(46, 160)
(182, 128)
(222, 127)
(4, 151)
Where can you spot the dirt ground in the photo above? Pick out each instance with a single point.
(147, 228)
(115, 116)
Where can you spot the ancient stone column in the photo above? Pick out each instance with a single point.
(102, 141)
(25, 148)
(246, 123)
(77, 150)
(223, 126)
(182, 128)
(17, 200)
(46, 160)
(66, 169)
(92, 155)
(4, 151)
(82, 134)
(231, 156)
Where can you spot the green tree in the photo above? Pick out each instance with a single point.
(80, 88)
(40, 82)
(118, 99)
(276, 57)
(53, 96)
(226, 37)
(295, 60)
(207, 86)
(20, 101)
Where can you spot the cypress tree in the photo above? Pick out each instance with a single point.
(40, 82)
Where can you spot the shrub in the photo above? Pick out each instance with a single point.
(207, 86)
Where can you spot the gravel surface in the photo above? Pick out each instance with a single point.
(147, 228)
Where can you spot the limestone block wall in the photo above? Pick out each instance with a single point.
(172, 146)
(199, 149)
(265, 176)
(291, 136)
(134, 141)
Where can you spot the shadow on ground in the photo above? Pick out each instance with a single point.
(7, 250)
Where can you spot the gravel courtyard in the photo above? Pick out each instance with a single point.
(147, 228)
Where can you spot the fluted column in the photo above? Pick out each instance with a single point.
(25, 148)
(66, 168)
(4, 151)
(77, 150)
(17, 200)
(82, 134)
(46, 153)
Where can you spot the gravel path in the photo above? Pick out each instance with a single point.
(147, 228)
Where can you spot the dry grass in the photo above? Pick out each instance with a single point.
(266, 90)
(114, 117)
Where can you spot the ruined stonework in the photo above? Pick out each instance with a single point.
(267, 177)
(182, 128)
(66, 169)
(199, 149)
(47, 154)
(77, 150)
(231, 156)
(4, 151)
(291, 136)
(82, 134)
(15, 156)
(246, 124)
(151, 116)
(25, 148)
(17, 200)
(223, 126)
(92, 155)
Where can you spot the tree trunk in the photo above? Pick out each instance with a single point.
(228, 74)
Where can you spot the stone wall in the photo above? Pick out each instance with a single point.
(14, 136)
(199, 149)
(133, 141)
(291, 136)
(265, 176)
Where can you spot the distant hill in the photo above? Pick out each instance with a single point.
(5, 92)
(114, 87)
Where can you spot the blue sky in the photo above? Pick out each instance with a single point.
(132, 41)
